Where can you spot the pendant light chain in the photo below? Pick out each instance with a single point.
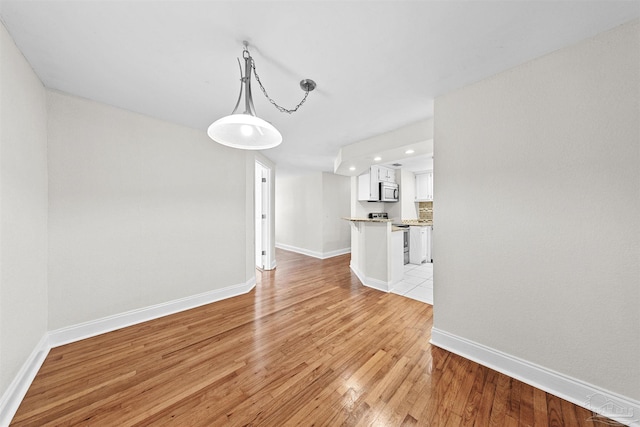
(264, 91)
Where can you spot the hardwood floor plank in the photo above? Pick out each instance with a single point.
(486, 401)
(461, 400)
(554, 411)
(474, 397)
(540, 411)
(453, 420)
(513, 405)
(398, 407)
(526, 417)
(500, 401)
(442, 377)
(457, 368)
(308, 346)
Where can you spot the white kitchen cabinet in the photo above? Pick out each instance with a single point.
(419, 244)
(368, 187)
(369, 183)
(385, 174)
(374, 170)
(424, 186)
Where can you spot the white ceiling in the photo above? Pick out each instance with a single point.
(378, 64)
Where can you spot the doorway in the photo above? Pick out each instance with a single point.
(262, 216)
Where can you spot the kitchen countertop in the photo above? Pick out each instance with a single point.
(410, 222)
(413, 222)
(416, 222)
(368, 219)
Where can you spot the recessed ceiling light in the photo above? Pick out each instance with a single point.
(377, 158)
(409, 151)
(352, 168)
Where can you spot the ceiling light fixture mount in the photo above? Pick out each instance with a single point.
(246, 130)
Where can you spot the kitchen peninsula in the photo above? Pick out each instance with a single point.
(376, 252)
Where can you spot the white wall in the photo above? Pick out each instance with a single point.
(309, 211)
(23, 210)
(538, 216)
(141, 212)
(299, 211)
(336, 192)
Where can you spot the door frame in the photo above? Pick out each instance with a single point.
(262, 216)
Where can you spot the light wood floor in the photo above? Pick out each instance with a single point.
(309, 346)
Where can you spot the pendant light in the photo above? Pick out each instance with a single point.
(245, 130)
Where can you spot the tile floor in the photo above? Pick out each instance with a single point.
(417, 283)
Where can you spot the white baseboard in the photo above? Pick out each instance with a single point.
(371, 283)
(336, 252)
(16, 391)
(118, 321)
(314, 254)
(12, 397)
(593, 398)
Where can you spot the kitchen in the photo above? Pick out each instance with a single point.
(311, 208)
(396, 231)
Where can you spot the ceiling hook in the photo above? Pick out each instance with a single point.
(245, 51)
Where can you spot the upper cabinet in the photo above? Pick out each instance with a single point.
(368, 187)
(424, 186)
(369, 183)
(385, 174)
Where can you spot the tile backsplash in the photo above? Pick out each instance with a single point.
(425, 211)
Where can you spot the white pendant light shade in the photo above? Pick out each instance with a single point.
(244, 131)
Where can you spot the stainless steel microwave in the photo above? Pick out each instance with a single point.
(389, 192)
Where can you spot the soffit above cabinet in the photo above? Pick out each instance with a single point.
(415, 164)
(390, 147)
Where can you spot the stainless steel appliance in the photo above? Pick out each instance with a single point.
(406, 245)
(406, 240)
(378, 215)
(389, 192)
